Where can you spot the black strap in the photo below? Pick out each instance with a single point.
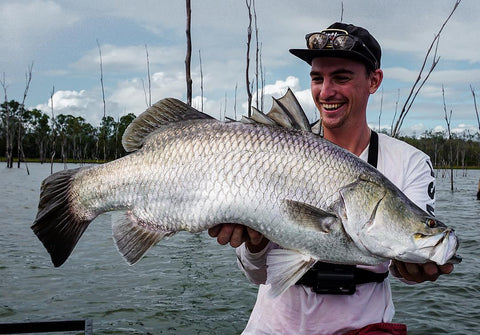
(326, 278)
(373, 149)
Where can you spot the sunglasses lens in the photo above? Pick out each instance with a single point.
(317, 41)
(344, 42)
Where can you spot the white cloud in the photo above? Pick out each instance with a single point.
(76, 103)
(126, 58)
(27, 25)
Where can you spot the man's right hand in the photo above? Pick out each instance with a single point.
(236, 234)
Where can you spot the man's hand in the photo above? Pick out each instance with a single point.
(236, 234)
(421, 272)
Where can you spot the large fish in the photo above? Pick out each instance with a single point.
(191, 172)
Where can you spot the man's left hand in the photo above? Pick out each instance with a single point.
(421, 272)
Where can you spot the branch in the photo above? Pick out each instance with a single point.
(249, 38)
(149, 79)
(201, 78)
(104, 105)
(475, 104)
(188, 57)
(414, 90)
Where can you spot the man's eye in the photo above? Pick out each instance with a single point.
(342, 79)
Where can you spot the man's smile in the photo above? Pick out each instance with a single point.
(331, 107)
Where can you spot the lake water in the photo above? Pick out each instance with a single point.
(189, 284)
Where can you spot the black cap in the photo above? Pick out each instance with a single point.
(367, 50)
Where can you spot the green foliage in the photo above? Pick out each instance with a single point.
(466, 148)
(67, 137)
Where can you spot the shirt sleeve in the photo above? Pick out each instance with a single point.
(254, 265)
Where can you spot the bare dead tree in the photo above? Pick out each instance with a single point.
(381, 109)
(201, 79)
(104, 130)
(262, 77)
(235, 102)
(396, 109)
(257, 51)
(249, 39)
(476, 108)
(8, 137)
(188, 57)
(418, 84)
(478, 121)
(54, 131)
(21, 154)
(341, 15)
(148, 95)
(225, 107)
(448, 119)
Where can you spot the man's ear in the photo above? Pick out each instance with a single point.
(376, 78)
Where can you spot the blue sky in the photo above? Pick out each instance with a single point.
(60, 38)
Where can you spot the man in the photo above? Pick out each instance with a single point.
(345, 71)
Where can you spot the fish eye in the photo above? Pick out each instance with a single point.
(431, 223)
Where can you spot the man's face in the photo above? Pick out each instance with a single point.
(340, 88)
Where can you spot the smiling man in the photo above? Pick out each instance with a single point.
(345, 71)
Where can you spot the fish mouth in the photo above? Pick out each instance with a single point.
(439, 248)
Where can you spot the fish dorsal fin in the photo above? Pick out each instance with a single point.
(160, 114)
(285, 112)
(291, 108)
(259, 117)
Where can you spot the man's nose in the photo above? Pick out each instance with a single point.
(328, 89)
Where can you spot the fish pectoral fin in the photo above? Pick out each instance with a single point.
(133, 238)
(310, 216)
(285, 268)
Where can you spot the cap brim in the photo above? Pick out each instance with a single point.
(309, 54)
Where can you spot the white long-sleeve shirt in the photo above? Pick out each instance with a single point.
(301, 311)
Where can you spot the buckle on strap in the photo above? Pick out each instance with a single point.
(326, 278)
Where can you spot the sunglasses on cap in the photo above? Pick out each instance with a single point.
(336, 39)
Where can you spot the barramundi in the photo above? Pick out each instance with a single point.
(188, 171)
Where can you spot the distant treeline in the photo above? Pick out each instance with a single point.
(70, 138)
(64, 137)
(465, 148)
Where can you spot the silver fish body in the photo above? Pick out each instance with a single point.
(193, 172)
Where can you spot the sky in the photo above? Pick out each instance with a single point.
(62, 38)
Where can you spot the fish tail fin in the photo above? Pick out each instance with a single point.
(134, 236)
(56, 225)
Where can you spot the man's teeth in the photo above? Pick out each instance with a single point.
(331, 106)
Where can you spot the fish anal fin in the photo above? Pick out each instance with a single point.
(160, 114)
(133, 237)
(285, 268)
(310, 216)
